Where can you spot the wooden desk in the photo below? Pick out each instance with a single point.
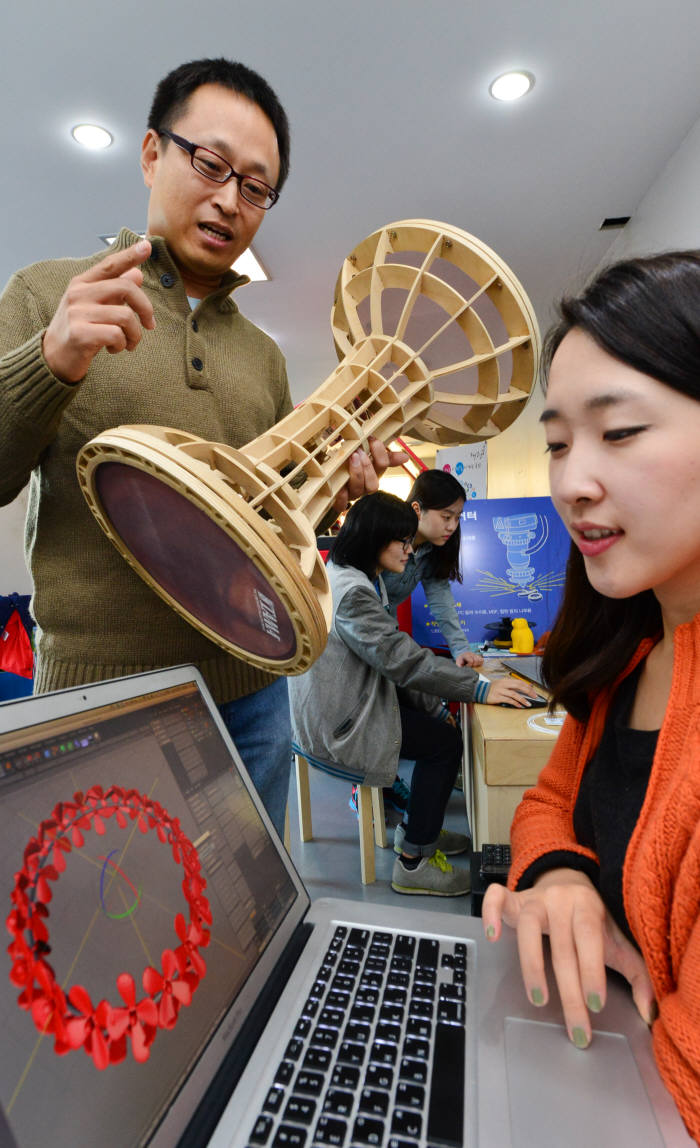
(503, 758)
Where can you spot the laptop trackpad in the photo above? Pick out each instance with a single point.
(559, 1094)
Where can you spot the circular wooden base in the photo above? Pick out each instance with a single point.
(175, 515)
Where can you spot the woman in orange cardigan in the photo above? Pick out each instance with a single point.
(606, 847)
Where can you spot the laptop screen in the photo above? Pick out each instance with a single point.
(142, 890)
(526, 666)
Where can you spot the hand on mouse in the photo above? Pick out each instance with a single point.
(511, 693)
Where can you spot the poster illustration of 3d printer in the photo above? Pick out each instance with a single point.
(513, 559)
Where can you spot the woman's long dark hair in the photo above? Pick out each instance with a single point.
(371, 524)
(434, 490)
(646, 313)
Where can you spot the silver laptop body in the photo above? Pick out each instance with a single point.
(162, 946)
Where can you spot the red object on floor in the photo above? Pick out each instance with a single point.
(16, 654)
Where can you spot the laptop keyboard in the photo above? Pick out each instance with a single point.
(378, 1052)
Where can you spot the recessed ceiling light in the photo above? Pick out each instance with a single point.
(511, 85)
(91, 136)
(246, 264)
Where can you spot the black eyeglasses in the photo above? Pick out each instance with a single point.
(216, 168)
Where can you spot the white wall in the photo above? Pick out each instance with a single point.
(14, 575)
(669, 215)
(517, 459)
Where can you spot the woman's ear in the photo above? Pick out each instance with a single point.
(415, 505)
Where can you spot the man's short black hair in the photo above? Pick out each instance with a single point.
(175, 89)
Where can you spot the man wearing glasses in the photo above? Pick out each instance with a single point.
(215, 158)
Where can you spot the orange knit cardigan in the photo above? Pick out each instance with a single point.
(661, 873)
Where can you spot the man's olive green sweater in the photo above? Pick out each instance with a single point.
(208, 371)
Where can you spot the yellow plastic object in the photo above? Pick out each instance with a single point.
(522, 637)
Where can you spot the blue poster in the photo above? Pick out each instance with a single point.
(513, 559)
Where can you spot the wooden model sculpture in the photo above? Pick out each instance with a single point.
(226, 536)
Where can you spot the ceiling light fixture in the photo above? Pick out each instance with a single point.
(92, 136)
(511, 85)
(246, 264)
(249, 264)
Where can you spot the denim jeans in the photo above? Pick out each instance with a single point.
(260, 727)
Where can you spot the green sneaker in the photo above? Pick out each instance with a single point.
(434, 877)
(449, 843)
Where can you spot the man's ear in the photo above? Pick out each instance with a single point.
(150, 154)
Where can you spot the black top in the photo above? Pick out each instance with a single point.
(608, 805)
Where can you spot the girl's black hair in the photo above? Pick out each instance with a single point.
(646, 313)
(434, 490)
(371, 524)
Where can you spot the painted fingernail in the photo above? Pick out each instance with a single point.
(594, 1002)
(537, 996)
(579, 1037)
(490, 932)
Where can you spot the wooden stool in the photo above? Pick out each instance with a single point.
(370, 803)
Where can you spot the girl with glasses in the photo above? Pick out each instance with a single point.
(433, 562)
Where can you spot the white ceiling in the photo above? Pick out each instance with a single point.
(390, 118)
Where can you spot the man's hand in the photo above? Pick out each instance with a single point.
(583, 938)
(365, 470)
(103, 307)
(469, 659)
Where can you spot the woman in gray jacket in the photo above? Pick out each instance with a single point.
(375, 695)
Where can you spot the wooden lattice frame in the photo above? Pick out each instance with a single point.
(270, 496)
(366, 274)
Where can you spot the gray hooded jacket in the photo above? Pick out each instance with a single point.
(345, 709)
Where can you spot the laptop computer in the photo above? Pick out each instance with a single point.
(528, 666)
(164, 981)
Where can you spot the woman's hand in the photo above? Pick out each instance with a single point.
(583, 939)
(512, 691)
(469, 659)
